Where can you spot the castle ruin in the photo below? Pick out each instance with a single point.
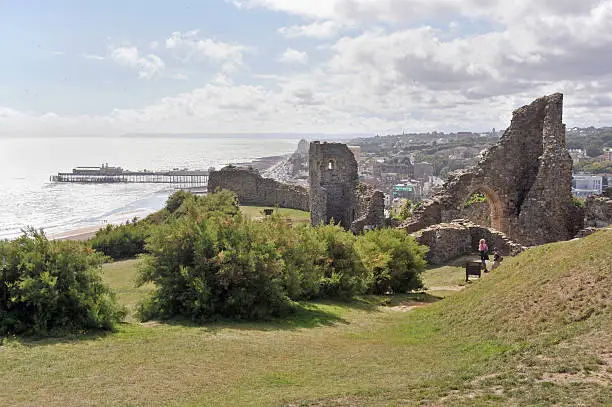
(253, 189)
(335, 191)
(526, 177)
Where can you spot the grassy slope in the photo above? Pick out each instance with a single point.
(536, 332)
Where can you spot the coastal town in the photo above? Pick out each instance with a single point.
(412, 167)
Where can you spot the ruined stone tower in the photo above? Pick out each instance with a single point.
(335, 191)
(526, 177)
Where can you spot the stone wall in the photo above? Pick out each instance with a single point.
(370, 208)
(479, 213)
(252, 189)
(335, 191)
(526, 177)
(447, 241)
(598, 210)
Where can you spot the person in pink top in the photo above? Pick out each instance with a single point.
(483, 250)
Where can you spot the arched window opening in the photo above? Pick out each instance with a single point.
(331, 165)
(484, 208)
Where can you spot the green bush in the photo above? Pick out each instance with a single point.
(406, 210)
(213, 266)
(394, 259)
(176, 200)
(344, 275)
(53, 287)
(121, 241)
(209, 261)
(127, 241)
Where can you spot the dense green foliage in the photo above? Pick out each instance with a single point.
(591, 140)
(393, 258)
(593, 167)
(208, 260)
(128, 240)
(121, 241)
(52, 287)
(406, 210)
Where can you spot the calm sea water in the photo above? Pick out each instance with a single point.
(28, 198)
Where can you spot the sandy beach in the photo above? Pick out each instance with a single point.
(87, 232)
(80, 234)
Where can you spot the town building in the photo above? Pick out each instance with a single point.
(584, 185)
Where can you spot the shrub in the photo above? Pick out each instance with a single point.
(578, 202)
(217, 266)
(126, 241)
(343, 274)
(394, 259)
(53, 287)
(320, 262)
(209, 261)
(176, 200)
(121, 241)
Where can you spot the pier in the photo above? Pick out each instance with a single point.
(106, 174)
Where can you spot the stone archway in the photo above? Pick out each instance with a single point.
(496, 218)
(527, 176)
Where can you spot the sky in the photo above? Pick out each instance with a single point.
(110, 67)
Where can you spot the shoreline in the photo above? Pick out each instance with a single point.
(85, 233)
(80, 234)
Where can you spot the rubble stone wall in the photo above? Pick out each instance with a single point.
(335, 191)
(252, 189)
(479, 213)
(526, 177)
(598, 210)
(447, 241)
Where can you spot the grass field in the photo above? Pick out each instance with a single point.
(537, 331)
(292, 215)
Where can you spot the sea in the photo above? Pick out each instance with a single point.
(29, 199)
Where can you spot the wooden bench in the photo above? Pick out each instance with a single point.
(473, 268)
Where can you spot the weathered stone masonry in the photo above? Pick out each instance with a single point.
(335, 191)
(526, 178)
(447, 241)
(252, 189)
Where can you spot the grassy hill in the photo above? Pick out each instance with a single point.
(537, 331)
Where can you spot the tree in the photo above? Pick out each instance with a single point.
(594, 150)
(406, 210)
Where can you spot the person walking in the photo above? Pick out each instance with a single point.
(483, 250)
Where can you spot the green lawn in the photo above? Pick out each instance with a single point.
(512, 338)
(292, 215)
(121, 277)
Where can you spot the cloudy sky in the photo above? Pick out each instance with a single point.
(85, 67)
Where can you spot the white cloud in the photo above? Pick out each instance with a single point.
(292, 57)
(318, 29)
(154, 45)
(93, 57)
(414, 10)
(380, 76)
(148, 66)
(189, 46)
